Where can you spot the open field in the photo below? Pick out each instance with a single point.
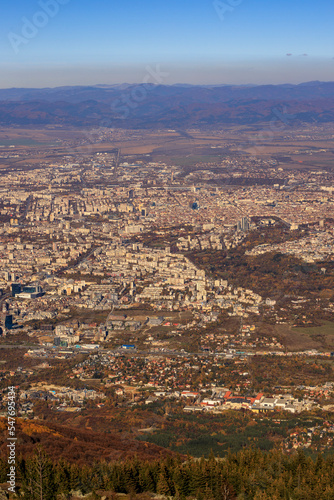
(24, 142)
(324, 333)
(24, 136)
(171, 146)
(319, 337)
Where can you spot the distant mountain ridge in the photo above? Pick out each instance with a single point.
(165, 106)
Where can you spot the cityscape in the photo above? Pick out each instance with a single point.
(166, 251)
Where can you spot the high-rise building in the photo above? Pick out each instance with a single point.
(8, 276)
(243, 225)
(8, 321)
(16, 288)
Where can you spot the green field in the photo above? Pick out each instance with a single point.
(327, 329)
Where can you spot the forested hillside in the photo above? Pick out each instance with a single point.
(250, 474)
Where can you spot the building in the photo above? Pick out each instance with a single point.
(243, 225)
(129, 347)
(16, 289)
(8, 322)
(30, 292)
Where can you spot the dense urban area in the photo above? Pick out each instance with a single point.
(171, 302)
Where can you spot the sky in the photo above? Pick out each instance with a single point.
(49, 43)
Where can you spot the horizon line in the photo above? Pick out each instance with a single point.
(171, 85)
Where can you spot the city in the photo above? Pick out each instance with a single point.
(167, 250)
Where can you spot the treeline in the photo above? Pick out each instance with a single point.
(249, 474)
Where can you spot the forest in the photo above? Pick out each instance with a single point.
(249, 474)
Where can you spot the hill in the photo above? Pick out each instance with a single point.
(73, 445)
(150, 106)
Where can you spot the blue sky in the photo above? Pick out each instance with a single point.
(195, 41)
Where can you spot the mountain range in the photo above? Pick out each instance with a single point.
(167, 106)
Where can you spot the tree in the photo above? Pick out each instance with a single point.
(164, 484)
(38, 481)
(62, 478)
(146, 479)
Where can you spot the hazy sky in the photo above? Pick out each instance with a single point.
(70, 42)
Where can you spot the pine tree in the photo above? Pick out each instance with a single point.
(146, 479)
(76, 483)
(181, 482)
(198, 480)
(62, 477)
(38, 481)
(163, 486)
